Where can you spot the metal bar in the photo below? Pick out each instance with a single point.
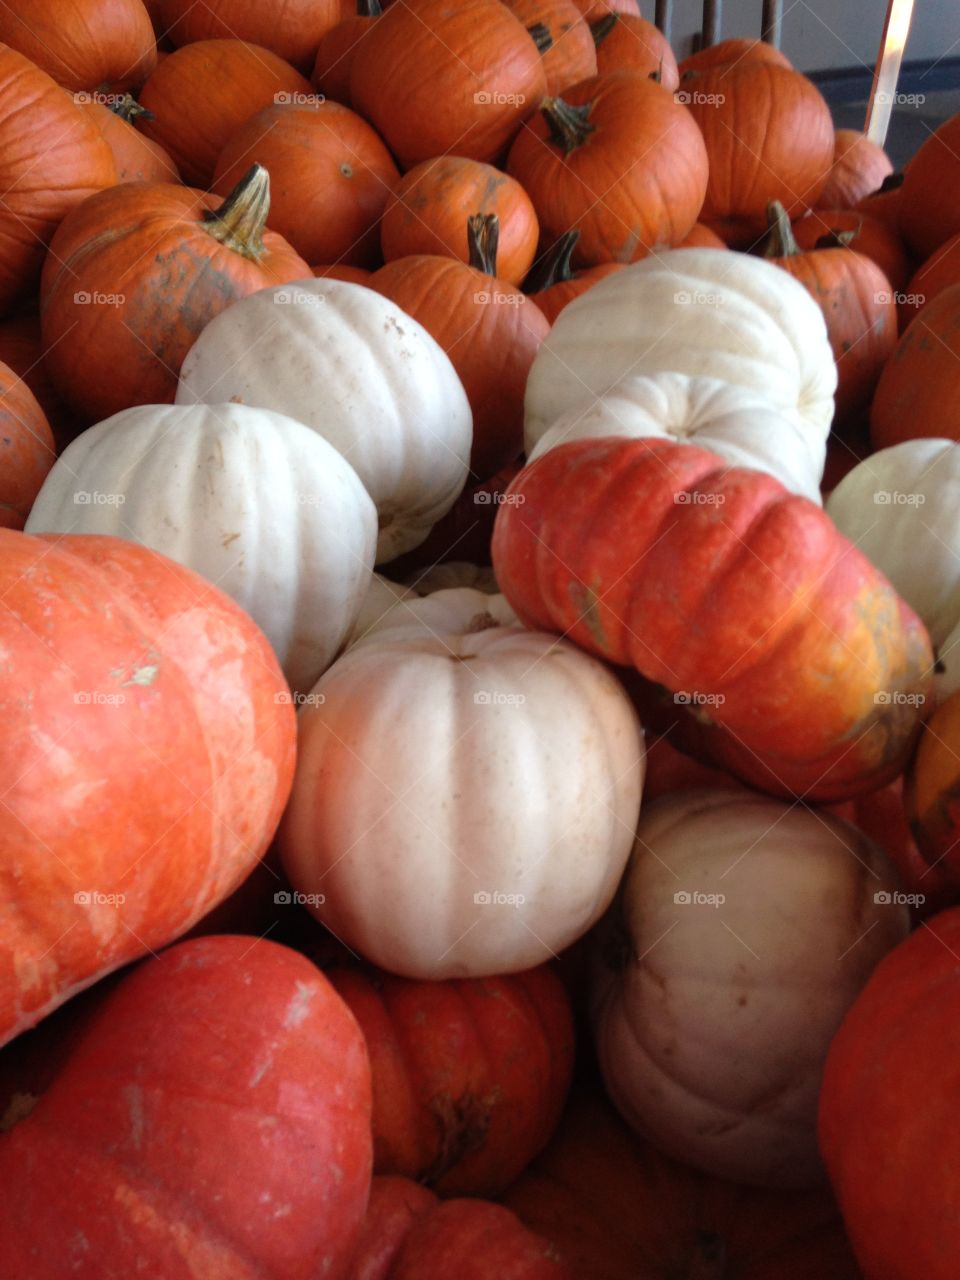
(664, 16)
(772, 21)
(883, 93)
(712, 13)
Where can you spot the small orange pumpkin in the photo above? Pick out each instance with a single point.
(137, 157)
(553, 283)
(930, 199)
(292, 30)
(26, 449)
(939, 272)
(859, 167)
(82, 43)
(336, 51)
(918, 394)
(563, 37)
(626, 42)
(832, 228)
(730, 53)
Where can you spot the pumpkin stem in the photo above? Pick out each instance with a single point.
(129, 109)
(602, 27)
(838, 239)
(554, 266)
(780, 242)
(710, 1260)
(657, 76)
(892, 182)
(483, 237)
(240, 220)
(369, 9)
(540, 34)
(569, 126)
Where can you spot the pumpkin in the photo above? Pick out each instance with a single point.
(525, 871)
(564, 38)
(488, 328)
(918, 394)
(27, 449)
(238, 80)
(620, 1210)
(939, 272)
(428, 209)
(330, 176)
(930, 196)
(51, 158)
(768, 135)
(595, 9)
(196, 1127)
(933, 783)
(333, 64)
(21, 348)
(133, 276)
(553, 282)
(627, 42)
(731, 53)
(736, 948)
(467, 1109)
(454, 573)
(701, 237)
(82, 43)
(886, 1110)
(292, 29)
(381, 596)
(138, 159)
(857, 303)
(884, 204)
(341, 271)
(255, 502)
(363, 374)
(141, 662)
(433, 79)
(848, 228)
(394, 1205)
(758, 565)
(736, 424)
(702, 312)
(622, 124)
(859, 168)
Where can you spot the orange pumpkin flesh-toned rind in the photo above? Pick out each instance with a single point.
(714, 580)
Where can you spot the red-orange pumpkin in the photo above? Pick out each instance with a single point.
(340, 271)
(832, 228)
(427, 212)
(82, 44)
(859, 167)
(616, 159)
(730, 53)
(26, 449)
(930, 196)
(138, 158)
(21, 347)
(200, 95)
(884, 204)
(564, 39)
(939, 272)
(333, 64)
(919, 389)
(489, 329)
(51, 157)
(553, 283)
(292, 30)
(469, 1076)
(434, 78)
(330, 176)
(185, 1137)
(715, 579)
(131, 662)
(701, 237)
(626, 42)
(137, 272)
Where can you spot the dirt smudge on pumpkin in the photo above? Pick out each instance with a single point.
(299, 1006)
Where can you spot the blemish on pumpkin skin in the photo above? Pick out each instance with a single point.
(586, 600)
(299, 1006)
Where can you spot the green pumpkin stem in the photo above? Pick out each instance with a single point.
(569, 126)
(483, 237)
(838, 239)
(554, 267)
(780, 242)
(541, 37)
(240, 220)
(129, 109)
(602, 27)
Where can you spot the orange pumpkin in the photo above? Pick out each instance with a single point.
(930, 198)
(428, 209)
(830, 228)
(918, 393)
(82, 43)
(21, 347)
(859, 168)
(594, 9)
(138, 158)
(330, 176)
(727, 53)
(939, 272)
(340, 271)
(933, 790)
(51, 157)
(237, 80)
(553, 283)
(333, 64)
(292, 30)
(490, 331)
(626, 42)
(136, 273)
(701, 237)
(769, 136)
(617, 159)
(884, 204)
(434, 78)
(563, 37)
(26, 449)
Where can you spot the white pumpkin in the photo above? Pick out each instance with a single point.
(708, 313)
(256, 502)
(466, 791)
(362, 373)
(736, 423)
(382, 595)
(748, 929)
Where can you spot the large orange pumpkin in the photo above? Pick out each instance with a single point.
(337, 49)
(730, 53)
(137, 272)
(701, 237)
(859, 167)
(769, 136)
(51, 157)
(616, 159)
(82, 44)
(434, 78)
(884, 204)
(919, 389)
(930, 196)
(138, 158)
(939, 272)
(490, 331)
(427, 212)
(833, 228)
(565, 40)
(292, 29)
(330, 176)
(237, 80)
(626, 42)
(146, 771)
(340, 271)
(553, 283)
(26, 449)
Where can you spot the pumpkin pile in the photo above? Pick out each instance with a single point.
(479, 653)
